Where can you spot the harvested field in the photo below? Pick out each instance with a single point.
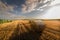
(30, 30)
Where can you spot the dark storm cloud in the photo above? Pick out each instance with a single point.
(7, 11)
(17, 8)
(14, 2)
(31, 5)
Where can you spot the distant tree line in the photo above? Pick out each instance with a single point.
(4, 21)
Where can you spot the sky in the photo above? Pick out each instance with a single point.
(53, 12)
(29, 9)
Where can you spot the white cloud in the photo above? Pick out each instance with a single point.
(29, 5)
(53, 12)
(55, 2)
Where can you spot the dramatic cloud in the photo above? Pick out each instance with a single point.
(6, 11)
(6, 7)
(31, 5)
(15, 9)
(53, 12)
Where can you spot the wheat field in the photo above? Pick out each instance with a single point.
(30, 30)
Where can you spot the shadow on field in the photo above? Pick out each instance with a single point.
(33, 34)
